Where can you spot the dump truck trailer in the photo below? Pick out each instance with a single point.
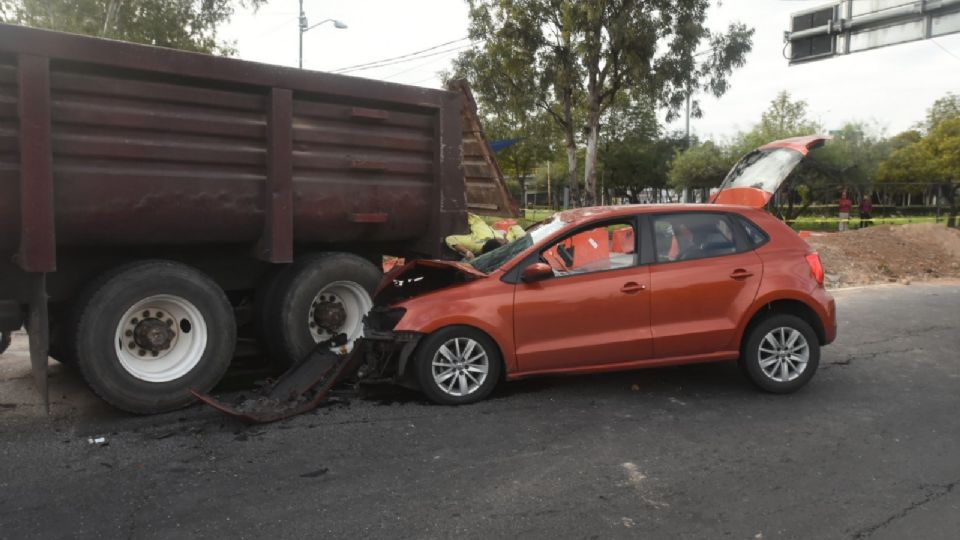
(154, 201)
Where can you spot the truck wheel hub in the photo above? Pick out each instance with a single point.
(154, 335)
(329, 314)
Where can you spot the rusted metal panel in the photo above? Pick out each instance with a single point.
(487, 192)
(37, 251)
(384, 156)
(153, 147)
(132, 56)
(450, 202)
(276, 244)
(9, 158)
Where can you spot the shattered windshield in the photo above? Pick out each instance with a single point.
(762, 169)
(488, 262)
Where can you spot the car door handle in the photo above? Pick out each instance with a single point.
(632, 287)
(740, 273)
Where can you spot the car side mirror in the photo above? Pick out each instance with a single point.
(536, 272)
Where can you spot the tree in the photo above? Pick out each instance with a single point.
(588, 53)
(180, 24)
(788, 117)
(942, 109)
(933, 159)
(633, 155)
(526, 60)
(784, 117)
(633, 164)
(700, 167)
(534, 135)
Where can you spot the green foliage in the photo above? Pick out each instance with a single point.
(633, 164)
(785, 117)
(536, 134)
(180, 24)
(567, 56)
(942, 109)
(700, 167)
(849, 161)
(934, 159)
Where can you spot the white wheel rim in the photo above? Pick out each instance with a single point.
(185, 347)
(352, 299)
(460, 367)
(783, 354)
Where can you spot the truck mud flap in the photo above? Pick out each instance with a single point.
(304, 387)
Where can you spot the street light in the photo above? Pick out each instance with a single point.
(305, 28)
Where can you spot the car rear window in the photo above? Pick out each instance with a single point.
(755, 234)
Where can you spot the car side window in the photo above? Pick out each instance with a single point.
(605, 247)
(693, 235)
(755, 234)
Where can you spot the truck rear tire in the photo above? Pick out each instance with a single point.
(149, 332)
(317, 297)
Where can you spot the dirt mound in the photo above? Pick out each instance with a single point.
(889, 253)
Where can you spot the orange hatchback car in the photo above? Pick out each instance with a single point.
(621, 288)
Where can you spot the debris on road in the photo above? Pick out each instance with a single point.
(315, 474)
(302, 388)
(889, 254)
(99, 441)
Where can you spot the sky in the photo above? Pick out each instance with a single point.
(890, 88)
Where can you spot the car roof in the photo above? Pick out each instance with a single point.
(580, 215)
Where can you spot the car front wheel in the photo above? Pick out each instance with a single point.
(781, 354)
(457, 365)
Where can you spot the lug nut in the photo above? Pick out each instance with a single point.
(132, 345)
(146, 314)
(128, 333)
(134, 320)
(154, 353)
(142, 352)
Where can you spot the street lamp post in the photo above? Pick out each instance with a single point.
(304, 28)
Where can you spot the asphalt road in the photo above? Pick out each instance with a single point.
(870, 449)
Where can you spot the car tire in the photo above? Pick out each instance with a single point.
(781, 354)
(341, 284)
(149, 332)
(465, 357)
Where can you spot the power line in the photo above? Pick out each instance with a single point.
(935, 42)
(415, 53)
(418, 66)
(275, 28)
(395, 62)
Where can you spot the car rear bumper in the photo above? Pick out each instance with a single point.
(827, 307)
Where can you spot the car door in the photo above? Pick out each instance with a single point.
(705, 277)
(594, 310)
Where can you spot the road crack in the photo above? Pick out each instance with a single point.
(868, 356)
(938, 492)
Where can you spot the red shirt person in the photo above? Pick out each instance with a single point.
(844, 206)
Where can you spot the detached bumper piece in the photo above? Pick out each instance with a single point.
(302, 388)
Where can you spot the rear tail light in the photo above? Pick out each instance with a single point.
(816, 267)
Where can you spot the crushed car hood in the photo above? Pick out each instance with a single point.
(423, 276)
(759, 174)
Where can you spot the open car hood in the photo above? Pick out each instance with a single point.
(422, 276)
(759, 174)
